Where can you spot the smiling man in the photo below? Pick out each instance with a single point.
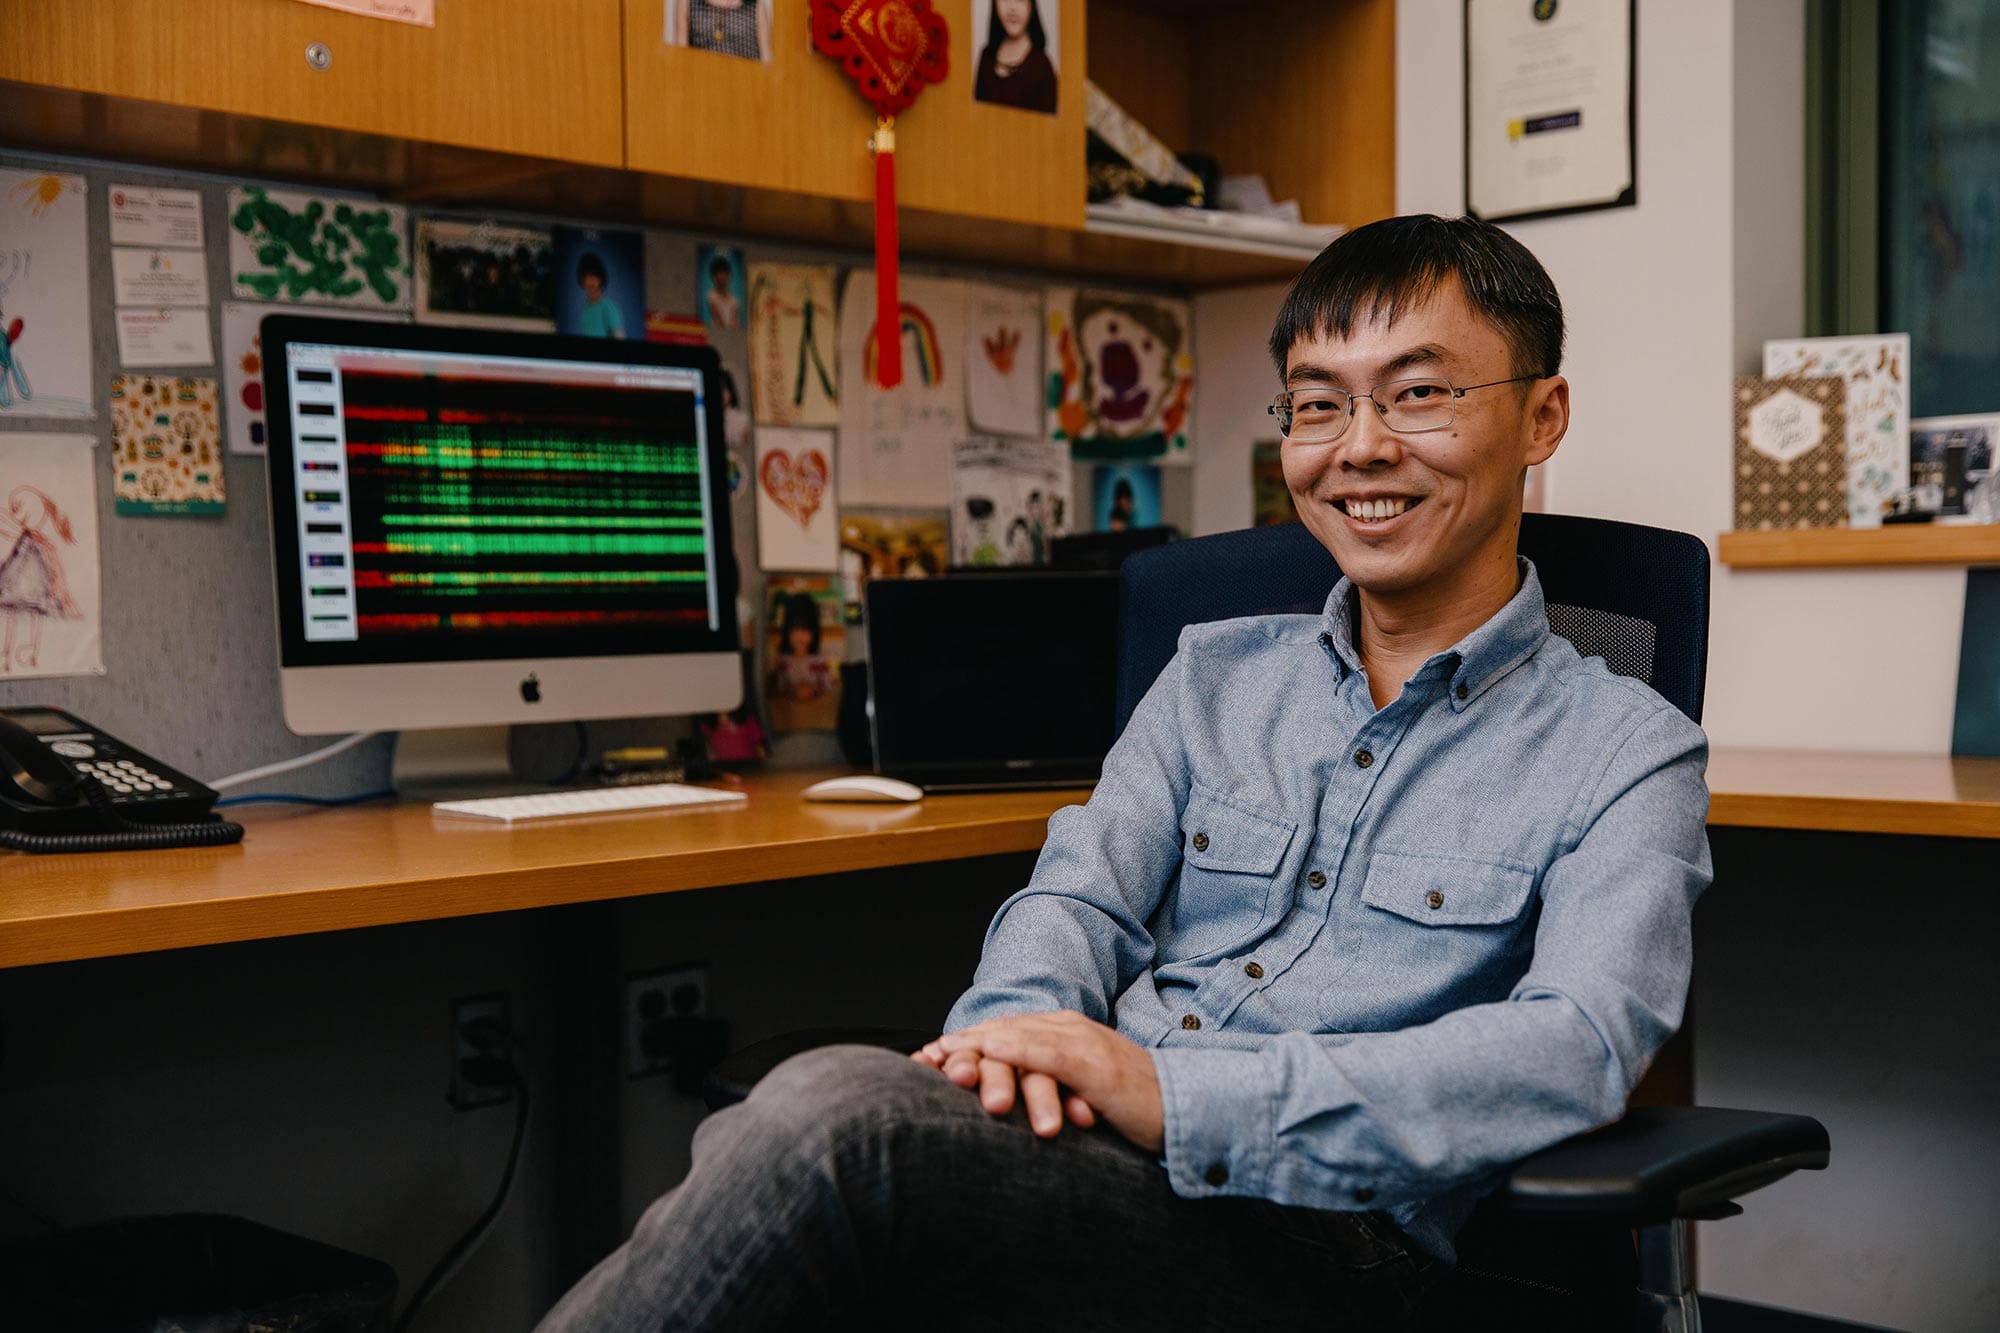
(1367, 905)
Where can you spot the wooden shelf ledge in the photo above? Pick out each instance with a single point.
(1900, 544)
(1954, 796)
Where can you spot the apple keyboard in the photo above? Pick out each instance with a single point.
(594, 801)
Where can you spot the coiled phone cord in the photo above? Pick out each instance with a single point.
(125, 835)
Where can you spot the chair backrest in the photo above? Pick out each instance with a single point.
(1633, 595)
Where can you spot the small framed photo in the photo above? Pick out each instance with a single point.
(1015, 43)
(740, 28)
(1949, 457)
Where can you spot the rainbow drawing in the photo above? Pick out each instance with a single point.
(929, 365)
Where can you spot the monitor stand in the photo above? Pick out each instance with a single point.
(453, 763)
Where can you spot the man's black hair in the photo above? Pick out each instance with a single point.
(719, 264)
(590, 266)
(1397, 264)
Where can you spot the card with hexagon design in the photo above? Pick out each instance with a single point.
(1791, 453)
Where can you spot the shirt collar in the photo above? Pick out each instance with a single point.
(1510, 637)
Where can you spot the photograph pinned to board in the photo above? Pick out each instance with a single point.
(1019, 53)
(600, 282)
(301, 248)
(1003, 359)
(1010, 499)
(1790, 454)
(794, 345)
(1877, 371)
(796, 524)
(895, 444)
(243, 369)
(1949, 458)
(1120, 369)
(1124, 496)
(890, 546)
(738, 736)
(805, 645)
(485, 275)
(740, 28)
(44, 296)
(152, 216)
(1270, 499)
(166, 446)
(719, 273)
(51, 597)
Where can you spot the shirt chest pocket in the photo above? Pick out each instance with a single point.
(1447, 890)
(1229, 858)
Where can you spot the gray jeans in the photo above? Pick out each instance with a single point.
(856, 1188)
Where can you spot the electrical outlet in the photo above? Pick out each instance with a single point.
(481, 1030)
(651, 1000)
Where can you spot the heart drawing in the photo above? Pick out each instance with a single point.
(796, 483)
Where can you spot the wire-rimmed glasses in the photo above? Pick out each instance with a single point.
(1319, 413)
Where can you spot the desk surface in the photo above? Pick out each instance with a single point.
(317, 870)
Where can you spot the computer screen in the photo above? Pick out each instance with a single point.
(473, 527)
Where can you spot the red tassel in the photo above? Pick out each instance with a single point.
(888, 304)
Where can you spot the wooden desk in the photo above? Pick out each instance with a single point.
(302, 871)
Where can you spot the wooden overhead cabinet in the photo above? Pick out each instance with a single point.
(796, 124)
(512, 76)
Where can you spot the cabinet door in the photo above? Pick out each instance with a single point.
(516, 76)
(796, 123)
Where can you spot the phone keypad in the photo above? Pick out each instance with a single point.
(123, 777)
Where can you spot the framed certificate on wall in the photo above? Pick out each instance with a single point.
(1551, 121)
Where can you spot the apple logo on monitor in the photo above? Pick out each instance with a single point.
(531, 690)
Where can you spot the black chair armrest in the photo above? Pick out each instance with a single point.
(731, 1080)
(1665, 1162)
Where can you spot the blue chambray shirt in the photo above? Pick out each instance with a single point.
(1376, 956)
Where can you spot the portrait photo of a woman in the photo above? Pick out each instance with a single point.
(1017, 60)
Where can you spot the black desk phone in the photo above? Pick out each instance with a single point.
(65, 786)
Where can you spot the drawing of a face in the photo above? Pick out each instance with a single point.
(1128, 362)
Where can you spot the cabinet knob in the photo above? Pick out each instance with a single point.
(319, 57)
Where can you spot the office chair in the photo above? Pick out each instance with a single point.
(1553, 1247)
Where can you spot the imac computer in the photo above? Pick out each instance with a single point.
(473, 528)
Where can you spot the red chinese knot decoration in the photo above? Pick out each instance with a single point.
(891, 49)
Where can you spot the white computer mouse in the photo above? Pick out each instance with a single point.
(863, 787)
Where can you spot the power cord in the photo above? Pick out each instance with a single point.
(497, 1065)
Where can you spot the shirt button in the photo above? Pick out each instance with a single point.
(1463, 691)
(1363, 758)
(1190, 1022)
(1435, 899)
(1200, 841)
(1253, 971)
(1364, 1195)
(1317, 879)
(1217, 1175)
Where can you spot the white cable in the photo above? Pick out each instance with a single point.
(287, 765)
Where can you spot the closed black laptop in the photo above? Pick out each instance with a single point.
(989, 681)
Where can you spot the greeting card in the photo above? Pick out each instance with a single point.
(166, 445)
(1791, 471)
(1876, 370)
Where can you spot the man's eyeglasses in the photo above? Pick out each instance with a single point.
(1317, 414)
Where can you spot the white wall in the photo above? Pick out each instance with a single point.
(1666, 301)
